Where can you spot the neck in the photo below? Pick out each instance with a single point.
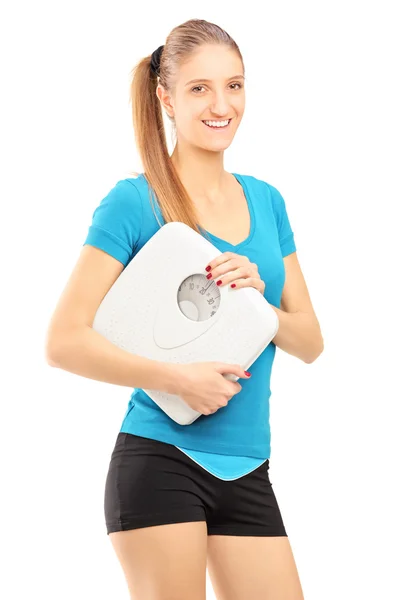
(201, 172)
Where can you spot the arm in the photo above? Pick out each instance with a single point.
(85, 352)
(73, 345)
(299, 332)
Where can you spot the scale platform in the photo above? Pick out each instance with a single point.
(163, 307)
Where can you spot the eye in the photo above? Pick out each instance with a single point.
(197, 87)
(202, 86)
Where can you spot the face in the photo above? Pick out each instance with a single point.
(217, 95)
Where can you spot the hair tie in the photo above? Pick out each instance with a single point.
(155, 60)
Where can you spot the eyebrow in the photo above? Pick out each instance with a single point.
(209, 80)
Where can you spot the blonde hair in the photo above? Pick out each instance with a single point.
(174, 202)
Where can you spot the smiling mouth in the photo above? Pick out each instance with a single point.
(218, 127)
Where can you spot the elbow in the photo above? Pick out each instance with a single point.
(51, 354)
(59, 344)
(50, 359)
(316, 353)
(51, 362)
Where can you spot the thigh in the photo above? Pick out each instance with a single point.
(243, 567)
(164, 562)
(247, 506)
(249, 554)
(156, 520)
(149, 483)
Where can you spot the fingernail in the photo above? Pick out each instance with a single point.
(208, 268)
(248, 374)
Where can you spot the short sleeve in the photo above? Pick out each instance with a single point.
(116, 222)
(286, 235)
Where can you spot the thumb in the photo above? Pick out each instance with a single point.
(233, 369)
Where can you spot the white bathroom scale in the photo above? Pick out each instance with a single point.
(163, 307)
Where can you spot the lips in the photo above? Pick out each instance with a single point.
(216, 127)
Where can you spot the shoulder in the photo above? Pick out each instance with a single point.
(131, 186)
(125, 194)
(263, 188)
(122, 201)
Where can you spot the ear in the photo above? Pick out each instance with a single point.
(165, 100)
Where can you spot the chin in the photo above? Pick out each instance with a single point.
(217, 145)
(214, 148)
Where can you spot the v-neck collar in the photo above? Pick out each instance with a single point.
(240, 179)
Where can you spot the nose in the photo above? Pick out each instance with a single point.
(220, 104)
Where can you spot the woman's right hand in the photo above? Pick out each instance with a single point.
(204, 388)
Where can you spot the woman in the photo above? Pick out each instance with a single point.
(178, 499)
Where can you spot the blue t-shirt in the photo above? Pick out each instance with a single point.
(236, 438)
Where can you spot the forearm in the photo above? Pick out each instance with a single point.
(299, 334)
(87, 353)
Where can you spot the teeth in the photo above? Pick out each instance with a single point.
(217, 123)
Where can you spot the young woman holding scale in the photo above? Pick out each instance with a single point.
(200, 495)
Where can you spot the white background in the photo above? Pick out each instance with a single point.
(322, 125)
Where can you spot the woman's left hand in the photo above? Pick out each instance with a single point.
(244, 273)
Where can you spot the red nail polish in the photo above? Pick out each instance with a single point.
(219, 282)
(233, 284)
(209, 276)
(208, 268)
(248, 374)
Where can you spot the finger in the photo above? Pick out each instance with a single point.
(228, 266)
(219, 260)
(231, 276)
(254, 282)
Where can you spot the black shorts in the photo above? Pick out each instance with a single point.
(153, 483)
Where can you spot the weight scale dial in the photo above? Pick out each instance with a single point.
(198, 297)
